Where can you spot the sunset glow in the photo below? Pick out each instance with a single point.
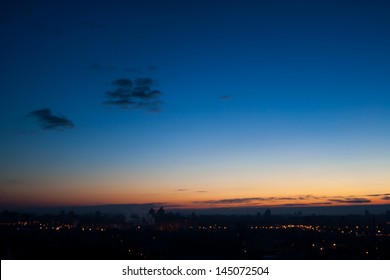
(189, 104)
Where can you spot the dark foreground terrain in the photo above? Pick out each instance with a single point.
(173, 236)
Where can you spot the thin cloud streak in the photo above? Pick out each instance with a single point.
(351, 200)
(49, 121)
(225, 97)
(306, 204)
(298, 200)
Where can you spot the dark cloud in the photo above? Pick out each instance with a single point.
(299, 200)
(319, 203)
(288, 198)
(254, 199)
(379, 194)
(225, 97)
(123, 83)
(135, 94)
(145, 93)
(294, 204)
(49, 121)
(306, 204)
(351, 200)
(300, 197)
(234, 200)
(386, 198)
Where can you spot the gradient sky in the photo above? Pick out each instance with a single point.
(194, 103)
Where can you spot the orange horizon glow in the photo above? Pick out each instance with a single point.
(181, 199)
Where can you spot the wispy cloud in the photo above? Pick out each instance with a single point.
(135, 94)
(297, 200)
(48, 121)
(386, 198)
(233, 200)
(351, 200)
(251, 200)
(225, 97)
(306, 204)
(378, 194)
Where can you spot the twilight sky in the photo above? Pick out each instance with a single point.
(194, 103)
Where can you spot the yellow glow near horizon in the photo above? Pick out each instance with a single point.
(266, 194)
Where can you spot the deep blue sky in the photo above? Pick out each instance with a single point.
(258, 99)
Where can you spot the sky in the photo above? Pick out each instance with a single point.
(197, 104)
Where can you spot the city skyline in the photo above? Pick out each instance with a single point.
(195, 104)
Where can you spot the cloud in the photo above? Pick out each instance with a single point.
(125, 83)
(135, 94)
(256, 199)
(181, 190)
(49, 121)
(294, 204)
(297, 200)
(225, 97)
(306, 204)
(233, 200)
(144, 82)
(386, 198)
(288, 198)
(379, 194)
(351, 200)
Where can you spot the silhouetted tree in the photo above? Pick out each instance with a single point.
(152, 212)
(160, 211)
